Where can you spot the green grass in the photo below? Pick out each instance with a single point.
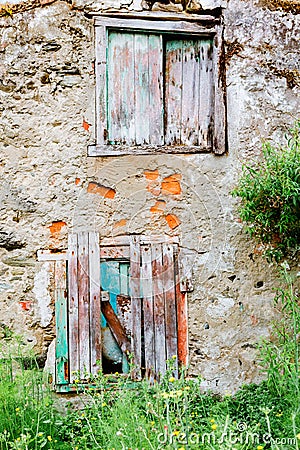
(172, 415)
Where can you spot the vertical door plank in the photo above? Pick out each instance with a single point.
(136, 303)
(121, 307)
(219, 137)
(170, 302)
(206, 94)
(100, 72)
(173, 91)
(83, 304)
(124, 279)
(159, 309)
(95, 301)
(120, 75)
(190, 92)
(61, 321)
(110, 281)
(182, 319)
(141, 86)
(73, 306)
(156, 110)
(146, 281)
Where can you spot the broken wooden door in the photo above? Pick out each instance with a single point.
(116, 300)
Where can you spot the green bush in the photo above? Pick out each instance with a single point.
(270, 197)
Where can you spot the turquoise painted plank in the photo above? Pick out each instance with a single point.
(141, 86)
(61, 322)
(173, 94)
(156, 86)
(110, 281)
(121, 94)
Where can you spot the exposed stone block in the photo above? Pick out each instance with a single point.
(9, 241)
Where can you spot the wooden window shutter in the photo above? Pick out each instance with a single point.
(84, 308)
(134, 74)
(158, 307)
(189, 92)
(157, 330)
(61, 323)
(160, 85)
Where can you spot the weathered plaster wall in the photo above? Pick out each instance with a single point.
(49, 187)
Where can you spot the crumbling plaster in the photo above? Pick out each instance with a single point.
(50, 187)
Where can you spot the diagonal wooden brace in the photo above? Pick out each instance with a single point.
(114, 324)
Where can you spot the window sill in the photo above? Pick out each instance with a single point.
(120, 150)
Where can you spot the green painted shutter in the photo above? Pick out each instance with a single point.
(61, 324)
(135, 88)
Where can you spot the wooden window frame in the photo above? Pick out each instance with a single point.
(81, 261)
(188, 25)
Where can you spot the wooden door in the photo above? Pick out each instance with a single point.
(113, 302)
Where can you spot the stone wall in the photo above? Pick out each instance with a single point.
(49, 186)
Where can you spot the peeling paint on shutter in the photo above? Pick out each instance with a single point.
(84, 304)
(134, 74)
(61, 324)
(156, 301)
(188, 92)
(142, 307)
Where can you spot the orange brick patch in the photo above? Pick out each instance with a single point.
(56, 227)
(171, 185)
(172, 221)
(25, 305)
(151, 174)
(120, 223)
(85, 125)
(159, 207)
(96, 188)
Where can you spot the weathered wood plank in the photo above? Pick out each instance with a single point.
(116, 327)
(50, 255)
(179, 26)
(219, 136)
(83, 304)
(146, 281)
(170, 302)
(173, 92)
(95, 306)
(156, 110)
(159, 15)
(73, 305)
(182, 316)
(61, 323)
(117, 150)
(141, 88)
(136, 304)
(206, 95)
(124, 288)
(143, 239)
(120, 76)
(159, 309)
(100, 73)
(190, 92)
(115, 252)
